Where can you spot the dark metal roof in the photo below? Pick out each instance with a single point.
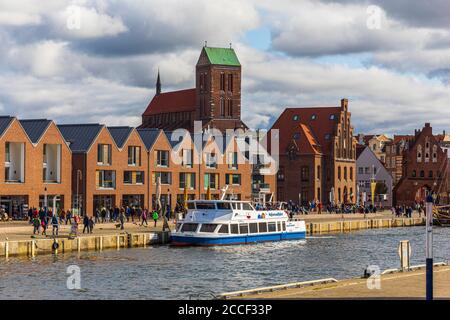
(120, 134)
(5, 121)
(80, 136)
(149, 136)
(35, 128)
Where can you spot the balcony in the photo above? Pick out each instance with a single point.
(52, 163)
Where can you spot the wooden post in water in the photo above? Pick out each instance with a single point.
(6, 249)
(118, 242)
(79, 244)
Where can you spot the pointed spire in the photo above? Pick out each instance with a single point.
(158, 85)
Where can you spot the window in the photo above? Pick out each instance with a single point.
(230, 82)
(314, 117)
(295, 118)
(345, 173)
(284, 226)
(351, 173)
(305, 173)
(211, 161)
(422, 174)
(253, 228)
(234, 179)
(414, 173)
(223, 228)
(162, 158)
(187, 158)
(206, 206)
(327, 136)
(211, 180)
(133, 177)
(232, 160)
(360, 170)
(187, 180)
(262, 227)
(104, 154)
(339, 173)
(272, 227)
(430, 174)
(208, 227)
(229, 108)
(234, 228)
(7, 152)
(222, 81)
(243, 228)
(246, 206)
(222, 107)
(105, 179)
(296, 136)
(134, 156)
(166, 177)
(189, 227)
(318, 172)
(332, 117)
(223, 206)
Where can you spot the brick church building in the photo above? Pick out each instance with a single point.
(317, 155)
(215, 100)
(425, 166)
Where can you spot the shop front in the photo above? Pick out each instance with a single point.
(15, 206)
(133, 200)
(103, 201)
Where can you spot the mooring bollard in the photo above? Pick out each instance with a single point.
(118, 242)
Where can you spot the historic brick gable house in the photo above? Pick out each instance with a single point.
(215, 100)
(395, 155)
(425, 167)
(317, 155)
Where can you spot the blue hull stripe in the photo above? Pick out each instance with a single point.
(213, 241)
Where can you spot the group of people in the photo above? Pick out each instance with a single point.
(407, 211)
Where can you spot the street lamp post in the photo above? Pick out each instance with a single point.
(429, 247)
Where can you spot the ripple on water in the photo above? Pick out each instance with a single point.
(171, 273)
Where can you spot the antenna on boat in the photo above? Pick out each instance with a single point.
(224, 190)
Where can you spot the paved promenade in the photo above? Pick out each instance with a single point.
(410, 285)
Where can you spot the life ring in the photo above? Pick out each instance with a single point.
(55, 245)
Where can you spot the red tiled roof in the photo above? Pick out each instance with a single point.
(398, 138)
(359, 149)
(317, 128)
(174, 101)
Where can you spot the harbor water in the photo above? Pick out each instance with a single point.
(164, 272)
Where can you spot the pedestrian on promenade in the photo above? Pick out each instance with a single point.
(55, 225)
(69, 217)
(108, 214)
(36, 224)
(91, 224)
(122, 219)
(144, 217)
(44, 226)
(155, 216)
(86, 223)
(97, 215)
(128, 213)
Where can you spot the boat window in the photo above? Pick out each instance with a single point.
(234, 228)
(253, 227)
(191, 205)
(243, 228)
(284, 226)
(247, 206)
(223, 228)
(279, 225)
(223, 206)
(208, 227)
(262, 227)
(236, 206)
(178, 226)
(272, 227)
(206, 205)
(189, 227)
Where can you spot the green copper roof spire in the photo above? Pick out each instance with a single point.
(222, 56)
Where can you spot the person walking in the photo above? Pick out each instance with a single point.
(122, 219)
(86, 223)
(68, 217)
(144, 217)
(155, 216)
(55, 225)
(91, 224)
(36, 224)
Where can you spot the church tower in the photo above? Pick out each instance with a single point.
(218, 88)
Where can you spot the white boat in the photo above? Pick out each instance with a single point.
(226, 222)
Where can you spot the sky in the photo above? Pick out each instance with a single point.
(97, 60)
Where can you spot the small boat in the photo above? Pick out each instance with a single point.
(441, 216)
(229, 222)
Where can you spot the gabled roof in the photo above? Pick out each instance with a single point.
(120, 135)
(222, 56)
(35, 128)
(5, 121)
(174, 101)
(359, 149)
(148, 136)
(321, 125)
(80, 136)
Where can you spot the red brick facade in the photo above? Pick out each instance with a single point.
(424, 169)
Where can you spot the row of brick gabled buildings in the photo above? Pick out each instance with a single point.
(88, 166)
